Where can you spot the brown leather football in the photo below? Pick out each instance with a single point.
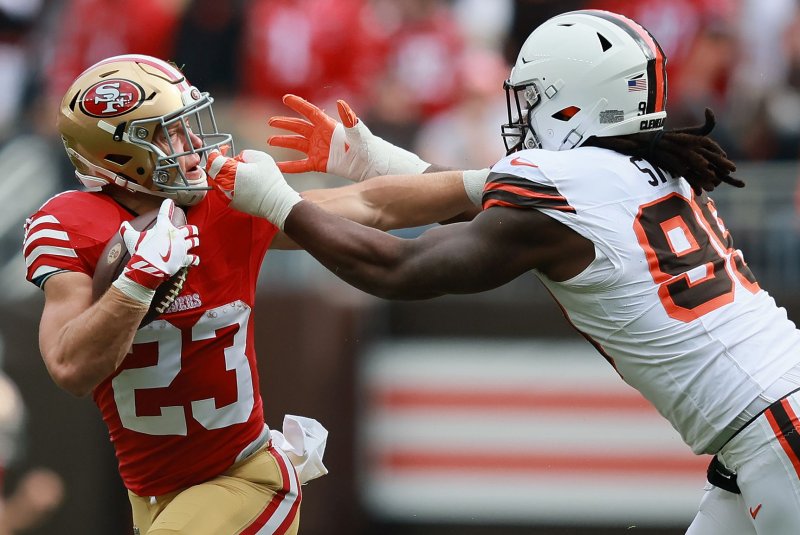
(115, 257)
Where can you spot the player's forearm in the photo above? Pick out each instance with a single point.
(394, 202)
(89, 347)
(365, 258)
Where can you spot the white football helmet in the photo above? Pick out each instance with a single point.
(113, 112)
(582, 74)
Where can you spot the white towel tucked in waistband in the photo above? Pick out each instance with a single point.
(303, 440)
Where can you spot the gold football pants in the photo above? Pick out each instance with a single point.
(258, 495)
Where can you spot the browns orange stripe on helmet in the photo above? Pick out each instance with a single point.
(656, 60)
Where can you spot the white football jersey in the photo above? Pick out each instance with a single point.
(668, 299)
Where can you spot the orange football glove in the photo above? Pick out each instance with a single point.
(347, 149)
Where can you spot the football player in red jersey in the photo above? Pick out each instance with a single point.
(611, 212)
(180, 396)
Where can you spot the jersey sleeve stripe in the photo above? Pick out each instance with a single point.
(523, 202)
(514, 191)
(498, 202)
(514, 180)
(45, 233)
(36, 252)
(42, 220)
(41, 271)
(524, 192)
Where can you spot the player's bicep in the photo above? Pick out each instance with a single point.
(501, 244)
(495, 248)
(67, 295)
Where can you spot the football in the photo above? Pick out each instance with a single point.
(115, 257)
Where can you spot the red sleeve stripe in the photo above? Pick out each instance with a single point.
(524, 192)
(45, 237)
(36, 252)
(42, 271)
(517, 192)
(49, 234)
(33, 223)
(497, 202)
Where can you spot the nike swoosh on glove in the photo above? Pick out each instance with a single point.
(156, 254)
(347, 149)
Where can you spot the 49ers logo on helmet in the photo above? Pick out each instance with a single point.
(111, 98)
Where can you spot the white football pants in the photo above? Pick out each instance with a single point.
(765, 456)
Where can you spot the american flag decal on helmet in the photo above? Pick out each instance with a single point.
(640, 84)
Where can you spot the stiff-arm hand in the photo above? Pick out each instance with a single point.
(347, 148)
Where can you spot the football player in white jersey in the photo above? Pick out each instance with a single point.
(610, 211)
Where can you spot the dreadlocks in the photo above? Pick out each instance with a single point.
(685, 152)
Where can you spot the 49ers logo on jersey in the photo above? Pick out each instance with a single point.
(111, 98)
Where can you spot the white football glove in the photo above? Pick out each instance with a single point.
(348, 150)
(156, 254)
(254, 184)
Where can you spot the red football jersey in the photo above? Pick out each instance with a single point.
(185, 402)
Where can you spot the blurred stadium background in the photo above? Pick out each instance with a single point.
(467, 415)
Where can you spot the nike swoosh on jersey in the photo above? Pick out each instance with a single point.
(754, 512)
(520, 161)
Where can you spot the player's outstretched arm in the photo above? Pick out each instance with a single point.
(383, 202)
(491, 250)
(347, 148)
(495, 247)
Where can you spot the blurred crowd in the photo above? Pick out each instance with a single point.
(426, 74)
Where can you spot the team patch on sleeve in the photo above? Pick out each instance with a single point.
(47, 249)
(516, 192)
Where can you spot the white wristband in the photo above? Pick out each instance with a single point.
(261, 190)
(473, 184)
(357, 154)
(134, 290)
(399, 161)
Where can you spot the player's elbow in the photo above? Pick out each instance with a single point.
(70, 378)
(396, 286)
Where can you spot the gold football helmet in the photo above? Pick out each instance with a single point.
(114, 111)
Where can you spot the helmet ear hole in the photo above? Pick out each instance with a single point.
(566, 114)
(118, 159)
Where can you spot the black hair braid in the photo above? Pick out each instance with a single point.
(685, 152)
